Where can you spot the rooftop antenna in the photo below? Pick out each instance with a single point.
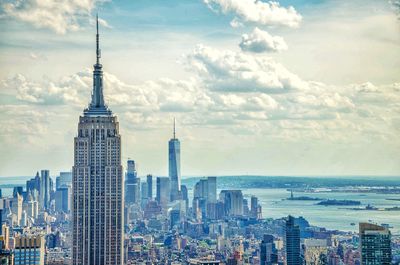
(174, 128)
(98, 53)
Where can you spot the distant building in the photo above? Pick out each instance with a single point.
(253, 207)
(233, 202)
(175, 218)
(163, 191)
(29, 249)
(64, 180)
(149, 180)
(292, 242)
(143, 195)
(211, 189)
(132, 184)
(33, 184)
(174, 166)
(44, 191)
(268, 251)
(375, 245)
(63, 199)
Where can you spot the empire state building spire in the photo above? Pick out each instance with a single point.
(97, 106)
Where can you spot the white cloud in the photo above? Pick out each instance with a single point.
(239, 72)
(260, 41)
(256, 11)
(60, 16)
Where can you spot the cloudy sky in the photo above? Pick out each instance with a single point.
(299, 87)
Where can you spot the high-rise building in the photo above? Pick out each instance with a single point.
(268, 251)
(149, 180)
(212, 189)
(233, 202)
(33, 184)
(63, 199)
(16, 209)
(174, 158)
(98, 190)
(375, 245)
(132, 184)
(64, 180)
(143, 195)
(44, 192)
(29, 249)
(253, 206)
(292, 242)
(163, 191)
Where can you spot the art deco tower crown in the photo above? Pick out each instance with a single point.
(97, 107)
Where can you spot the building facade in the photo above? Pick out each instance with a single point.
(292, 242)
(174, 166)
(97, 182)
(132, 184)
(375, 245)
(29, 250)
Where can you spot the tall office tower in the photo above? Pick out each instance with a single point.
(29, 249)
(143, 195)
(163, 191)
(33, 184)
(174, 158)
(233, 201)
(253, 206)
(16, 209)
(212, 189)
(132, 184)
(63, 199)
(375, 245)
(268, 251)
(64, 180)
(292, 242)
(185, 196)
(44, 192)
(18, 190)
(149, 180)
(98, 191)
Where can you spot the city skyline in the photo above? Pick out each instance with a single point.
(284, 114)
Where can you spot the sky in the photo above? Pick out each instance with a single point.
(295, 87)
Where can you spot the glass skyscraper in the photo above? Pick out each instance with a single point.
(375, 244)
(97, 182)
(292, 242)
(174, 158)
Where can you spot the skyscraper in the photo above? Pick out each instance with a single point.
(132, 184)
(174, 158)
(233, 201)
(163, 191)
(292, 242)
(97, 182)
(149, 186)
(375, 245)
(44, 189)
(29, 249)
(268, 251)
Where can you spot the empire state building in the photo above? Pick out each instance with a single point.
(97, 181)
